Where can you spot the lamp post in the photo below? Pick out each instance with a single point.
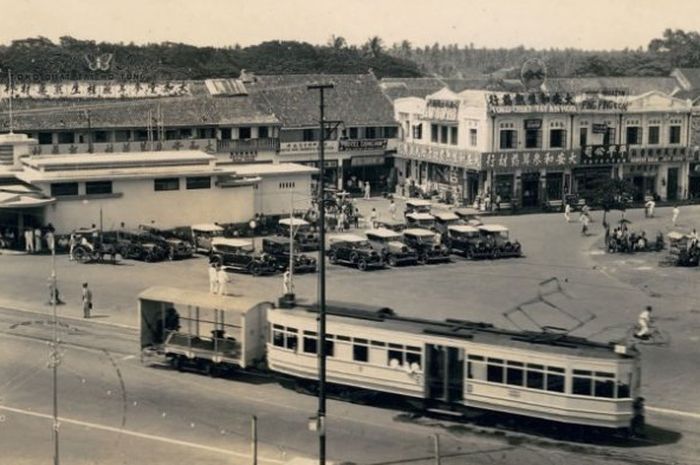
(321, 419)
(54, 352)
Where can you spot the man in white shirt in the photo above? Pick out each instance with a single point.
(213, 279)
(643, 323)
(567, 213)
(224, 281)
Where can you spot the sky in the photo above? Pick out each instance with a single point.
(587, 24)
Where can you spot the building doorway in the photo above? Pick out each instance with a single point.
(445, 373)
(531, 187)
(672, 184)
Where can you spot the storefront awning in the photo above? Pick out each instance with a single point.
(21, 196)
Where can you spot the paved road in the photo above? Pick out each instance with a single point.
(613, 288)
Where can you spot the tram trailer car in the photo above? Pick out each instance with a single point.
(453, 365)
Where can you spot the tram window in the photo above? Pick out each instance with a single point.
(292, 342)
(310, 333)
(393, 354)
(535, 379)
(623, 391)
(277, 338)
(343, 338)
(330, 348)
(494, 373)
(555, 383)
(535, 367)
(514, 376)
(378, 344)
(581, 386)
(605, 388)
(413, 359)
(309, 345)
(360, 352)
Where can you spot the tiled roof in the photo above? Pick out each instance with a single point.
(395, 88)
(201, 110)
(692, 75)
(356, 99)
(633, 85)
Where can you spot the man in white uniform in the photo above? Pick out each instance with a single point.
(224, 280)
(213, 279)
(643, 323)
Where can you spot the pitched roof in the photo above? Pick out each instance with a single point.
(356, 99)
(395, 88)
(692, 75)
(200, 109)
(632, 85)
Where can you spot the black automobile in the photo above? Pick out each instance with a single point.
(239, 255)
(497, 238)
(388, 244)
(278, 249)
(420, 220)
(427, 244)
(466, 240)
(349, 249)
(304, 236)
(444, 219)
(137, 245)
(178, 246)
(393, 225)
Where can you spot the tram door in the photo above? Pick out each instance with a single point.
(445, 373)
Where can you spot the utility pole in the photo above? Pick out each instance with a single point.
(436, 446)
(291, 244)
(54, 355)
(254, 439)
(321, 345)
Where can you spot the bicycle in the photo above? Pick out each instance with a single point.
(655, 336)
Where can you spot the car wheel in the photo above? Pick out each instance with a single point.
(362, 265)
(255, 269)
(469, 254)
(333, 258)
(422, 259)
(392, 261)
(81, 255)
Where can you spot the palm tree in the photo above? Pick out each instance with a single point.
(337, 42)
(374, 46)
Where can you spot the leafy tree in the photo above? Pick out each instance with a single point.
(612, 194)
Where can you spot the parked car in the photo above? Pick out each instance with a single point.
(427, 245)
(394, 225)
(178, 247)
(278, 249)
(417, 206)
(497, 238)
(466, 240)
(239, 255)
(202, 235)
(444, 219)
(350, 249)
(304, 236)
(470, 216)
(420, 220)
(389, 245)
(137, 244)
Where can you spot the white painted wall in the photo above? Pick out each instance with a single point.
(140, 204)
(273, 193)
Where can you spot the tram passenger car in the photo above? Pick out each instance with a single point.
(459, 365)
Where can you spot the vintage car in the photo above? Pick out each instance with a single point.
(350, 249)
(91, 246)
(137, 244)
(427, 245)
(304, 236)
(239, 255)
(443, 219)
(683, 248)
(417, 206)
(178, 246)
(202, 235)
(420, 220)
(278, 249)
(470, 216)
(497, 239)
(394, 225)
(388, 244)
(466, 240)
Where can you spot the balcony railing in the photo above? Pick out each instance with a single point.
(248, 145)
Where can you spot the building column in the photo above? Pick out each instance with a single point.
(518, 187)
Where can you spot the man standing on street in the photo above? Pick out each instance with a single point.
(373, 218)
(367, 190)
(567, 213)
(392, 209)
(29, 240)
(87, 300)
(223, 280)
(213, 279)
(676, 212)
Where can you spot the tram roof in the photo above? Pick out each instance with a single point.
(478, 332)
(201, 299)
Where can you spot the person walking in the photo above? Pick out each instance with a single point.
(567, 213)
(373, 218)
(37, 240)
(213, 279)
(643, 323)
(676, 211)
(50, 240)
(287, 285)
(87, 300)
(367, 190)
(341, 221)
(392, 209)
(649, 208)
(584, 224)
(356, 218)
(224, 280)
(72, 242)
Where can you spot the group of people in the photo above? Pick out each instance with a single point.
(219, 279)
(621, 239)
(34, 240)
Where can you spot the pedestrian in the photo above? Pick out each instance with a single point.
(373, 218)
(213, 279)
(287, 285)
(224, 280)
(676, 212)
(584, 224)
(367, 190)
(87, 300)
(50, 240)
(643, 323)
(71, 246)
(341, 221)
(37, 240)
(498, 202)
(649, 208)
(29, 240)
(356, 218)
(567, 213)
(392, 209)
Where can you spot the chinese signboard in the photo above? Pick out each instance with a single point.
(243, 157)
(530, 160)
(604, 154)
(533, 124)
(643, 155)
(94, 89)
(361, 144)
(442, 109)
(445, 156)
(601, 104)
(309, 146)
(599, 128)
(376, 160)
(531, 103)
